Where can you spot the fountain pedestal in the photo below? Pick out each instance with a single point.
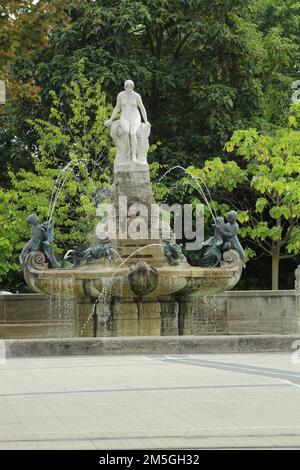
(138, 234)
(119, 318)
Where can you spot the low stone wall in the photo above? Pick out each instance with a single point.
(243, 312)
(35, 316)
(229, 313)
(151, 345)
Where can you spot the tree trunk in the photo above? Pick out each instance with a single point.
(275, 270)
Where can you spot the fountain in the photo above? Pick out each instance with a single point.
(136, 280)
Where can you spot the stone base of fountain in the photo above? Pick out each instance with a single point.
(138, 299)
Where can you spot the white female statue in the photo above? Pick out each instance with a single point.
(131, 105)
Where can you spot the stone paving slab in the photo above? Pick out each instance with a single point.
(175, 401)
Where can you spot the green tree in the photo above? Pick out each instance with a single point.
(9, 236)
(265, 179)
(71, 166)
(200, 66)
(278, 22)
(24, 28)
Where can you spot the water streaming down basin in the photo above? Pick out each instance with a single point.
(61, 312)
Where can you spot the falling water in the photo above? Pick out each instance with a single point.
(198, 187)
(88, 320)
(62, 178)
(103, 301)
(204, 315)
(103, 305)
(61, 310)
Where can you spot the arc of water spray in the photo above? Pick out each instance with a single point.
(58, 188)
(200, 190)
(133, 253)
(54, 189)
(61, 180)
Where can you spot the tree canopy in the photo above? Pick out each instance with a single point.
(24, 28)
(204, 68)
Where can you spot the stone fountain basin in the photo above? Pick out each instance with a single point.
(103, 279)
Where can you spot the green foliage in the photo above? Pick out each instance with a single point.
(71, 165)
(24, 28)
(267, 179)
(9, 234)
(207, 61)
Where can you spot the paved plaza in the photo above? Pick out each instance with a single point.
(158, 402)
